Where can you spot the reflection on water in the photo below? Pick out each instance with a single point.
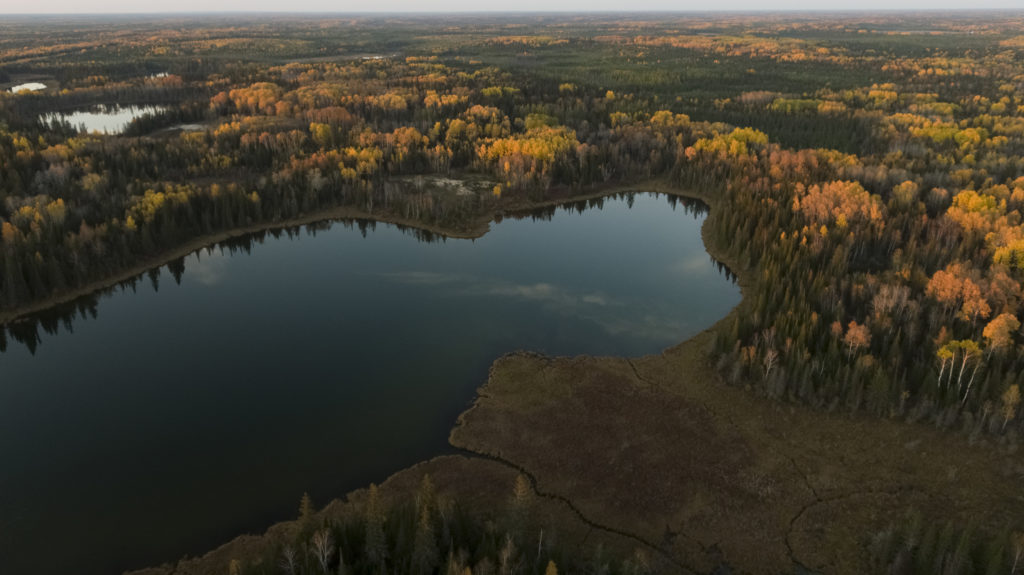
(104, 119)
(207, 267)
(199, 400)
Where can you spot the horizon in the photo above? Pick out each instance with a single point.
(464, 7)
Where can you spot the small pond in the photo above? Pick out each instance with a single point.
(28, 87)
(105, 120)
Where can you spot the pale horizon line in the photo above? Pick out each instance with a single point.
(385, 12)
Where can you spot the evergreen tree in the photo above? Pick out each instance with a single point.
(425, 555)
(376, 545)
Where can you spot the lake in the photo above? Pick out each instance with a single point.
(171, 414)
(106, 120)
(28, 87)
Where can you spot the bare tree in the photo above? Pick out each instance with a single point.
(770, 358)
(1018, 551)
(508, 555)
(323, 548)
(969, 350)
(289, 563)
(540, 545)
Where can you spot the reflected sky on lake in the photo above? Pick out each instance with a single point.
(102, 120)
(200, 401)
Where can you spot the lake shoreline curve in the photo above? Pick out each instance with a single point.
(218, 559)
(658, 455)
(476, 228)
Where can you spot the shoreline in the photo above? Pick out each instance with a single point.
(208, 240)
(792, 492)
(477, 228)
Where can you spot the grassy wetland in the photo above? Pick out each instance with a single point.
(858, 411)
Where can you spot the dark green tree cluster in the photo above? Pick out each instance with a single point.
(426, 534)
(915, 546)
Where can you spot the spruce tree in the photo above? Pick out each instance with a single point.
(425, 554)
(376, 546)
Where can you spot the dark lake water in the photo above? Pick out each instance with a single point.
(150, 423)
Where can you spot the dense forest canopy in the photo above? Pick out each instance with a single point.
(871, 170)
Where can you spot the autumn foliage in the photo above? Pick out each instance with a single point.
(879, 216)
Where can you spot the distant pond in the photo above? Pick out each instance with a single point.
(198, 402)
(104, 119)
(28, 87)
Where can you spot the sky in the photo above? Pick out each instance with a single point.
(146, 6)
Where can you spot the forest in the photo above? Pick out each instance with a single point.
(866, 175)
(431, 533)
